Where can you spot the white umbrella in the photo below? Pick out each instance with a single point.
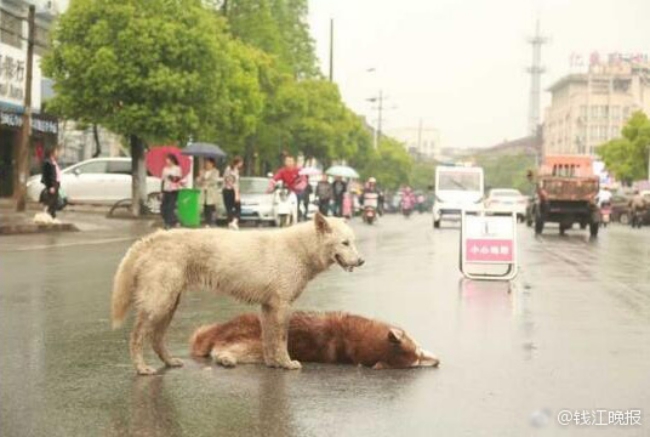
(343, 171)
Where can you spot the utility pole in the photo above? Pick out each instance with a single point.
(380, 107)
(331, 49)
(22, 155)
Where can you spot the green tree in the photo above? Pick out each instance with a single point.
(298, 46)
(423, 174)
(146, 69)
(627, 157)
(279, 28)
(506, 171)
(390, 164)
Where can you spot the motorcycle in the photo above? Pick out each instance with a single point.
(605, 213)
(370, 205)
(407, 204)
(285, 206)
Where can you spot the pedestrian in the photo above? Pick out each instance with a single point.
(51, 178)
(208, 182)
(231, 195)
(339, 187)
(291, 179)
(324, 195)
(171, 183)
(637, 206)
(306, 197)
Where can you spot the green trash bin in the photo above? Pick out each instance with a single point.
(189, 210)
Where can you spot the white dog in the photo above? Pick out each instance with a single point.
(270, 268)
(43, 218)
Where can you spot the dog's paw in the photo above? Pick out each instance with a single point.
(174, 362)
(228, 361)
(292, 365)
(146, 371)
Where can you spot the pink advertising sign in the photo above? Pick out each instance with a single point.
(489, 250)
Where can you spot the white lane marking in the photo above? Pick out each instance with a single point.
(78, 243)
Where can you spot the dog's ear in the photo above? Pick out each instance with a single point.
(322, 225)
(395, 335)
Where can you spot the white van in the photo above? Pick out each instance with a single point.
(456, 189)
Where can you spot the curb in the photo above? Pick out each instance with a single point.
(35, 229)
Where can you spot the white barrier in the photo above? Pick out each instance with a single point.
(488, 238)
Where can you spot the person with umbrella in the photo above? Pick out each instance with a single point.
(208, 183)
(171, 182)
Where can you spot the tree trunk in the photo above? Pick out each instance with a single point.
(249, 159)
(98, 145)
(138, 176)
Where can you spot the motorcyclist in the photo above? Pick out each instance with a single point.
(371, 188)
(408, 198)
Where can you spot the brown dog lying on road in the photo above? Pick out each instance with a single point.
(334, 338)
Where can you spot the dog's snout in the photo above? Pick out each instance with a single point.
(361, 262)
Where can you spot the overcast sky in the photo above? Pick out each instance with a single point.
(460, 64)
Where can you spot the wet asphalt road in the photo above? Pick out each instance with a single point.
(571, 332)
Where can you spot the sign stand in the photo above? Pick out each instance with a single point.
(488, 238)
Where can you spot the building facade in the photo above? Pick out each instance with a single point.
(419, 141)
(589, 109)
(13, 65)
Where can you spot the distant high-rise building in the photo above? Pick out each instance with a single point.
(588, 109)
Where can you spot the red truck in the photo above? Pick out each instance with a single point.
(566, 193)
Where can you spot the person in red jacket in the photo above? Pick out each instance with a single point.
(289, 174)
(291, 178)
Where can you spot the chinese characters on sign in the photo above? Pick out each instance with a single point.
(596, 58)
(39, 124)
(489, 240)
(488, 250)
(12, 78)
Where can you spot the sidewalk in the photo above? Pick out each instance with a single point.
(12, 222)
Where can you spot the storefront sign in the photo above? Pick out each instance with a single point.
(40, 123)
(13, 73)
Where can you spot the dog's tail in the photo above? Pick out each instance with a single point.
(123, 288)
(201, 341)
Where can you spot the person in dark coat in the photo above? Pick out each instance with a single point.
(339, 187)
(51, 178)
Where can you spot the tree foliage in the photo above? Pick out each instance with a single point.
(627, 157)
(139, 67)
(390, 164)
(506, 171)
(241, 73)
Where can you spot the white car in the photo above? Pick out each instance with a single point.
(95, 181)
(507, 200)
(457, 189)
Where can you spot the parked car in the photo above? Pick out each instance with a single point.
(256, 203)
(507, 200)
(95, 181)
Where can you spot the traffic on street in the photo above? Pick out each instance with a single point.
(324, 218)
